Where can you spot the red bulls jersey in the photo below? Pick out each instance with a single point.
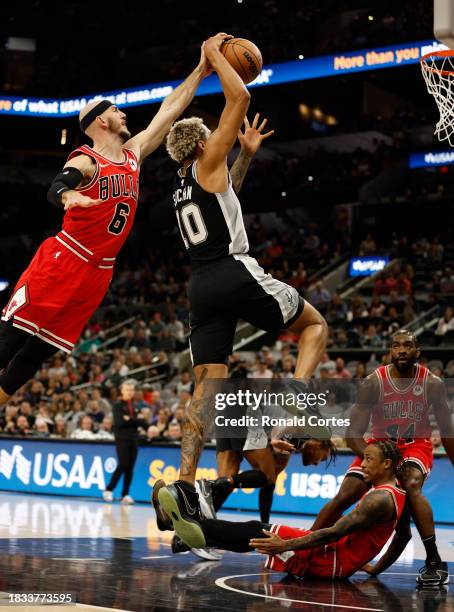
(402, 414)
(358, 548)
(98, 232)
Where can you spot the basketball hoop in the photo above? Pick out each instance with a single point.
(438, 72)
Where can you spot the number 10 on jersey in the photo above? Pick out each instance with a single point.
(192, 226)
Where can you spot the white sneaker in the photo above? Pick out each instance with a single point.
(107, 496)
(127, 500)
(208, 554)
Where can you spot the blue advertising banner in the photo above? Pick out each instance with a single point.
(431, 159)
(366, 266)
(273, 74)
(82, 469)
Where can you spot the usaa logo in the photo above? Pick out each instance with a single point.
(159, 470)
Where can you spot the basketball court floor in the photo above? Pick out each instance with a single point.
(114, 557)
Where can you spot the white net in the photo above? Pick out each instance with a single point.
(438, 72)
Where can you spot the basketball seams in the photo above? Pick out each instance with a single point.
(257, 60)
(238, 59)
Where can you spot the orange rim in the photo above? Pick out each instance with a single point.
(437, 54)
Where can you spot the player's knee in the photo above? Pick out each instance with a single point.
(413, 487)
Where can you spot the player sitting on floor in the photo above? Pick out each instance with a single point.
(336, 552)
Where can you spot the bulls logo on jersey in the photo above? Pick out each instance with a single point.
(133, 164)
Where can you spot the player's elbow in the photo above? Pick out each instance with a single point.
(243, 98)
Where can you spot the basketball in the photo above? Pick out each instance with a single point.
(244, 57)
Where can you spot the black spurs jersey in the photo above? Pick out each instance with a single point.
(211, 224)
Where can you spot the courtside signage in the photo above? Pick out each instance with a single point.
(83, 469)
(273, 74)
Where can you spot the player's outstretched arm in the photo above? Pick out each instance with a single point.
(375, 507)
(174, 104)
(438, 399)
(250, 141)
(237, 99)
(395, 549)
(368, 395)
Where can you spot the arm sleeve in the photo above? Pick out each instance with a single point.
(66, 180)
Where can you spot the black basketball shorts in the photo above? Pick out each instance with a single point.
(233, 288)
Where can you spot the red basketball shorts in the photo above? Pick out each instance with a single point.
(57, 294)
(419, 452)
(318, 562)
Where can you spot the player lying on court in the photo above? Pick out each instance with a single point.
(397, 399)
(335, 552)
(226, 283)
(71, 272)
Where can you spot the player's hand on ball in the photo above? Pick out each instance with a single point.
(214, 43)
(270, 545)
(73, 198)
(204, 64)
(282, 447)
(253, 135)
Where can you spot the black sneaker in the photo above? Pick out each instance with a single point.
(178, 546)
(181, 504)
(162, 520)
(433, 574)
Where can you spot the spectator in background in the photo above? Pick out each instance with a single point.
(320, 296)
(60, 429)
(153, 434)
(105, 432)
(185, 383)
(127, 420)
(327, 363)
(25, 409)
(446, 322)
(261, 370)
(85, 429)
(41, 428)
(435, 438)
(162, 420)
(377, 307)
(371, 337)
(173, 433)
(360, 370)
(94, 410)
(368, 246)
(104, 403)
(340, 370)
(23, 427)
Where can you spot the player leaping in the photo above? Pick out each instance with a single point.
(70, 273)
(226, 284)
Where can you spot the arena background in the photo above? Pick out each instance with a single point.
(351, 202)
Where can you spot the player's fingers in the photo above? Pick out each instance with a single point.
(268, 533)
(268, 134)
(262, 125)
(246, 122)
(256, 120)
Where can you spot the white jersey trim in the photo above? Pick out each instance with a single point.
(279, 290)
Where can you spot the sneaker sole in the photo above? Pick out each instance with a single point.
(162, 523)
(432, 583)
(189, 531)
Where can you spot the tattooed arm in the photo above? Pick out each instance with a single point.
(376, 507)
(250, 141)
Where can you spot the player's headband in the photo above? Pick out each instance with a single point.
(95, 112)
